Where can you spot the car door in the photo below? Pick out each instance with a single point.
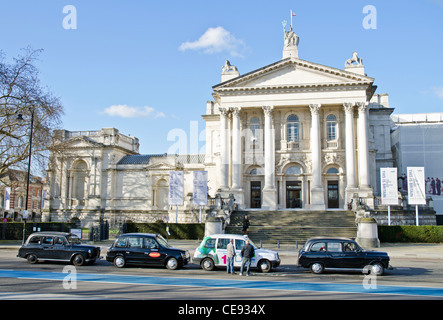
(355, 258)
(318, 253)
(222, 251)
(336, 255)
(135, 252)
(239, 244)
(153, 252)
(61, 250)
(47, 245)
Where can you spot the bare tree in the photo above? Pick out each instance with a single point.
(21, 96)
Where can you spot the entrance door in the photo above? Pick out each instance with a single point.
(293, 194)
(255, 194)
(332, 194)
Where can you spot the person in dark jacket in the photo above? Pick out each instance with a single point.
(247, 252)
(245, 225)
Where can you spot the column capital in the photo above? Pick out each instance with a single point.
(223, 111)
(348, 106)
(315, 108)
(268, 110)
(362, 106)
(235, 111)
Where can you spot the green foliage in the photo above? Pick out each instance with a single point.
(419, 234)
(14, 230)
(188, 231)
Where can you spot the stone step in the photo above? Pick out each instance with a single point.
(291, 226)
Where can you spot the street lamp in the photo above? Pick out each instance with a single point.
(25, 213)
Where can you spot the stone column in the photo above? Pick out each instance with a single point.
(317, 193)
(224, 152)
(363, 151)
(351, 180)
(269, 191)
(236, 148)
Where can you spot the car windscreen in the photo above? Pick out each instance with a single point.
(162, 241)
(73, 239)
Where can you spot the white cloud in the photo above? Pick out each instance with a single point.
(125, 111)
(438, 91)
(216, 40)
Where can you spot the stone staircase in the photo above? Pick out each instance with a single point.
(289, 227)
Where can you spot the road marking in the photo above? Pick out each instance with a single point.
(227, 283)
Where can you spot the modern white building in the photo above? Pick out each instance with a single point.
(417, 142)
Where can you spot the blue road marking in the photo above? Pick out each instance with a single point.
(239, 284)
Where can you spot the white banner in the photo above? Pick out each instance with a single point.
(416, 185)
(200, 194)
(175, 188)
(43, 199)
(7, 204)
(389, 187)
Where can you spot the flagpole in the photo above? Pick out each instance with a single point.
(291, 18)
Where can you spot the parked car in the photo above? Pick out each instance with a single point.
(58, 246)
(146, 249)
(213, 249)
(321, 253)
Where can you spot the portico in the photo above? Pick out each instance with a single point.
(293, 134)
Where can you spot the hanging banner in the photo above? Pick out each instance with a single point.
(43, 199)
(416, 185)
(389, 186)
(7, 204)
(175, 188)
(200, 194)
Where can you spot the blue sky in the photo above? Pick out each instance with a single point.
(147, 67)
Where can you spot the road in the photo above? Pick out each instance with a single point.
(410, 279)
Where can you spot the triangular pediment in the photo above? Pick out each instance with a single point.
(293, 73)
(78, 142)
(161, 166)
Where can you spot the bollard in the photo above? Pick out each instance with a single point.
(278, 244)
(296, 244)
(261, 244)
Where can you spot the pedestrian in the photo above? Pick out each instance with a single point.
(245, 225)
(247, 253)
(231, 256)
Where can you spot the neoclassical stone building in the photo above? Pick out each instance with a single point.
(291, 135)
(297, 134)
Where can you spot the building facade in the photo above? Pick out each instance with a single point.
(297, 134)
(291, 135)
(13, 184)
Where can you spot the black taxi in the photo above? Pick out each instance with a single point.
(146, 249)
(321, 253)
(57, 246)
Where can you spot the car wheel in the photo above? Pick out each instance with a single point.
(119, 261)
(317, 268)
(172, 263)
(32, 258)
(78, 260)
(377, 268)
(264, 266)
(208, 264)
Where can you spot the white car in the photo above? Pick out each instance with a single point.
(213, 250)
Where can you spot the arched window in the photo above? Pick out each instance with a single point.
(255, 129)
(293, 170)
(293, 128)
(256, 171)
(332, 171)
(331, 125)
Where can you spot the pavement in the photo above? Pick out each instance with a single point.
(395, 250)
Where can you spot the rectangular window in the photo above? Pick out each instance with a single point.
(334, 247)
